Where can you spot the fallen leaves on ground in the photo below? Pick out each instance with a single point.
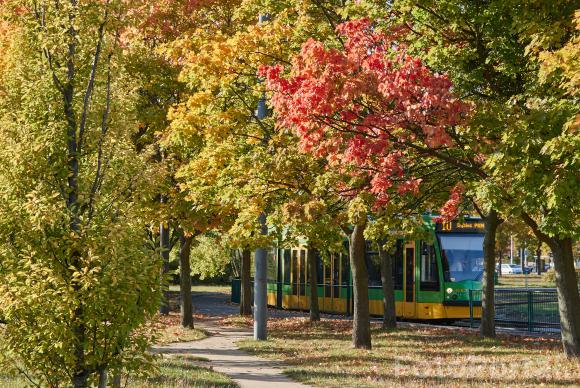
(167, 329)
(321, 354)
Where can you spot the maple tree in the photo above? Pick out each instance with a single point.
(362, 107)
(522, 129)
(247, 163)
(156, 27)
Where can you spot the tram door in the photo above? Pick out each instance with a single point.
(331, 289)
(299, 278)
(409, 282)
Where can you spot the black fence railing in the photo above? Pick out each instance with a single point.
(533, 310)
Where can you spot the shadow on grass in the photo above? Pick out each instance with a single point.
(182, 372)
(308, 375)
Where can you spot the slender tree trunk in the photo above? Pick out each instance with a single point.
(102, 378)
(568, 297)
(389, 313)
(361, 329)
(487, 328)
(185, 280)
(500, 262)
(539, 266)
(81, 374)
(164, 247)
(313, 274)
(245, 284)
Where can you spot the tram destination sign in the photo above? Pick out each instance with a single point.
(463, 226)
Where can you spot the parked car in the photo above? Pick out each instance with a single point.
(528, 270)
(511, 269)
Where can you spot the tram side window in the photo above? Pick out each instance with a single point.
(398, 266)
(319, 269)
(429, 272)
(374, 268)
(302, 272)
(287, 266)
(272, 261)
(335, 275)
(345, 269)
(294, 272)
(327, 276)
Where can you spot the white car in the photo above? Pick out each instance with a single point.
(511, 269)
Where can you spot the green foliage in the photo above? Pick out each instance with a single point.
(523, 131)
(77, 279)
(209, 257)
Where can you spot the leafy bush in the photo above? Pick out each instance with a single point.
(210, 258)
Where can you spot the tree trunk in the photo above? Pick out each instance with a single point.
(116, 381)
(539, 266)
(500, 262)
(487, 328)
(313, 275)
(389, 313)
(361, 329)
(567, 286)
(568, 297)
(245, 284)
(164, 248)
(185, 280)
(102, 378)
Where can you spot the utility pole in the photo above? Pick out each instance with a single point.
(511, 249)
(261, 255)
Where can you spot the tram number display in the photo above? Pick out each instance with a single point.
(461, 226)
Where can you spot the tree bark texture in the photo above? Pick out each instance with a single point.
(185, 280)
(361, 329)
(164, 248)
(539, 266)
(567, 286)
(389, 308)
(313, 278)
(245, 284)
(487, 328)
(568, 297)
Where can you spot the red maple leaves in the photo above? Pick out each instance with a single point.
(366, 105)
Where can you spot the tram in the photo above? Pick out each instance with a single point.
(431, 279)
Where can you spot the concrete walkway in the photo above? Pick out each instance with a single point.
(225, 357)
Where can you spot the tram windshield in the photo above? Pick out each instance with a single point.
(462, 256)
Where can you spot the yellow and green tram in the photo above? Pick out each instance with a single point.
(431, 278)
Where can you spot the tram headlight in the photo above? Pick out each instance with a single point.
(449, 290)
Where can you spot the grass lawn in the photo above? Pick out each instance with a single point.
(533, 281)
(221, 288)
(321, 355)
(172, 372)
(183, 371)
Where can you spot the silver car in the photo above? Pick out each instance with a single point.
(511, 269)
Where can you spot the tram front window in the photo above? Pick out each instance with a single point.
(462, 257)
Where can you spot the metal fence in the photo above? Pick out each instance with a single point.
(533, 310)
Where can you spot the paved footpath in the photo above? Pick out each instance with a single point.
(224, 356)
